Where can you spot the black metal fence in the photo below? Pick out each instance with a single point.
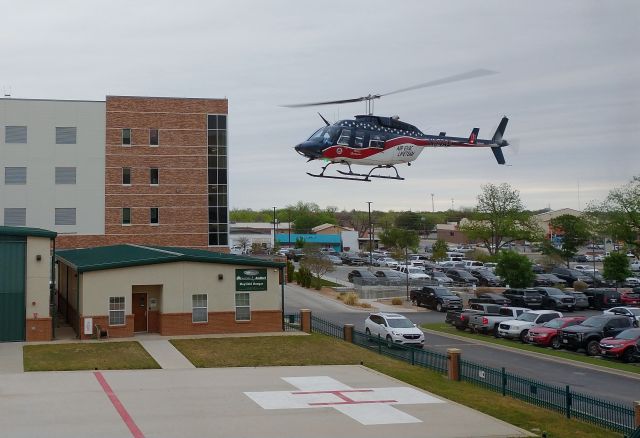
(613, 416)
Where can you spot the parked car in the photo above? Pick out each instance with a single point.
(580, 258)
(571, 275)
(461, 276)
(598, 279)
(556, 299)
(352, 259)
(585, 268)
(635, 265)
(591, 331)
(622, 345)
(632, 312)
(519, 328)
(435, 297)
(530, 298)
(537, 269)
(414, 272)
(491, 298)
(548, 280)
(362, 276)
(460, 318)
(334, 259)
(602, 298)
(394, 329)
(295, 254)
(582, 301)
(473, 264)
(487, 278)
(391, 277)
(441, 278)
(387, 262)
(546, 335)
(632, 282)
(630, 298)
(489, 323)
(491, 266)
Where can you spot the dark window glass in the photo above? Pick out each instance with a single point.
(222, 214)
(222, 176)
(214, 228)
(213, 189)
(222, 161)
(153, 215)
(222, 150)
(212, 138)
(223, 239)
(212, 161)
(222, 122)
(222, 228)
(222, 188)
(126, 216)
(222, 200)
(213, 239)
(213, 215)
(222, 138)
(212, 122)
(154, 176)
(153, 137)
(213, 176)
(126, 175)
(126, 136)
(213, 200)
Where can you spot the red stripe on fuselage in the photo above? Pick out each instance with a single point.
(341, 151)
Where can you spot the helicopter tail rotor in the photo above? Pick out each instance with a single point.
(500, 143)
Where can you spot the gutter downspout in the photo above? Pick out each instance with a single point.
(53, 308)
(78, 303)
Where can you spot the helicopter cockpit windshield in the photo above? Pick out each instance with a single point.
(326, 135)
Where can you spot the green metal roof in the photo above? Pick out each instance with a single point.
(26, 231)
(122, 256)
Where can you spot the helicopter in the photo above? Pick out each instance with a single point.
(384, 142)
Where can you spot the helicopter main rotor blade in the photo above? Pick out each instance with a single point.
(329, 102)
(455, 78)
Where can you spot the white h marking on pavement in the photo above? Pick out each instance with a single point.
(366, 405)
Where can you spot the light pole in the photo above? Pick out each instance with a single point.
(370, 236)
(433, 208)
(289, 219)
(274, 229)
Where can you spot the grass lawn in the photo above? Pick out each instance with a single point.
(323, 350)
(90, 356)
(579, 357)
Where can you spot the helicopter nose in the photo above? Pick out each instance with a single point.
(309, 149)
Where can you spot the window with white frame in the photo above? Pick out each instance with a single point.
(243, 307)
(200, 311)
(116, 311)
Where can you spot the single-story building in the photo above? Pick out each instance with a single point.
(333, 241)
(126, 289)
(26, 260)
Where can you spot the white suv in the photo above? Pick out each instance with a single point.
(414, 273)
(519, 327)
(394, 329)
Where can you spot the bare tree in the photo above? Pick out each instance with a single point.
(317, 263)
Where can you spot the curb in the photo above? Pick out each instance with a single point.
(538, 355)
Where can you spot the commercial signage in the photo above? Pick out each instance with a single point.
(251, 280)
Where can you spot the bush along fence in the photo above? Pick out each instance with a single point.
(614, 416)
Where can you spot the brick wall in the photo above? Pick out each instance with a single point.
(115, 331)
(39, 329)
(220, 322)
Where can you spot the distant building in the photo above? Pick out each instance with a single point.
(544, 220)
(451, 234)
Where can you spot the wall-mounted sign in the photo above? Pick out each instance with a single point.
(251, 279)
(88, 326)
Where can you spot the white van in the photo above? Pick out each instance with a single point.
(473, 264)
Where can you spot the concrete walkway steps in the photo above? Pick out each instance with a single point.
(167, 356)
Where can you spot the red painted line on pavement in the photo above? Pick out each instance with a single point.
(135, 432)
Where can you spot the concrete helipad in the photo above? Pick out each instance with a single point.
(326, 401)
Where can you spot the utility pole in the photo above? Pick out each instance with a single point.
(370, 237)
(289, 218)
(274, 229)
(433, 208)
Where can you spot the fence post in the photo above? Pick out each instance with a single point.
(348, 332)
(379, 344)
(305, 320)
(453, 363)
(568, 402)
(504, 382)
(636, 409)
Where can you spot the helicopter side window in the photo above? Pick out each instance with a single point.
(359, 139)
(317, 134)
(377, 141)
(344, 137)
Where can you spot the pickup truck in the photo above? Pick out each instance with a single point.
(435, 297)
(460, 318)
(488, 323)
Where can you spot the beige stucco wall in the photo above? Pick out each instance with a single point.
(174, 283)
(37, 276)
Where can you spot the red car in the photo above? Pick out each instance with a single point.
(622, 345)
(630, 298)
(547, 334)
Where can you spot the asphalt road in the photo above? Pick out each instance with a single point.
(606, 385)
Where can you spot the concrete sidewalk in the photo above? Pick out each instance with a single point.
(167, 356)
(11, 358)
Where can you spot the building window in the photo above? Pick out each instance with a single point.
(15, 134)
(116, 311)
(126, 136)
(200, 311)
(153, 137)
(153, 176)
(15, 175)
(15, 217)
(153, 216)
(65, 216)
(217, 179)
(65, 175)
(243, 307)
(126, 176)
(66, 135)
(126, 216)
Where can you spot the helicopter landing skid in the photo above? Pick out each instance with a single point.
(353, 176)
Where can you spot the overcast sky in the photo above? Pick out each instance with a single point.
(568, 79)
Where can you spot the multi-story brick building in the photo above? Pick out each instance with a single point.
(140, 170)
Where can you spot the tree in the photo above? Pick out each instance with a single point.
(401, 240)
(244, 243)
(616, 267)
(500, 218)
(618, 215)
(575, 233)
(409, 220)
(439, 250)
(317, 263)
(515, 269)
